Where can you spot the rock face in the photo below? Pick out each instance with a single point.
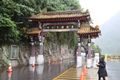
(17, 55)
(57, 52)
(3, 57)
(20, 54)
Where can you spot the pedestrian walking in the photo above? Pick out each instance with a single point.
(102, 72)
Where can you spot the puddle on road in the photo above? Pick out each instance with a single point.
(41, 72)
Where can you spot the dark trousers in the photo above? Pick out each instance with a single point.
(99, 78)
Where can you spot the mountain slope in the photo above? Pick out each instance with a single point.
(109, 42)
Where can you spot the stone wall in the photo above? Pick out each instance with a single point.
(4, 57)
(58, 52)
(21, 56)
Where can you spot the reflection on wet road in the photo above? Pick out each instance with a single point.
(50, 71)
(41, 72)
(113, 69)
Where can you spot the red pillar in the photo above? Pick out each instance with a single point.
(32, 57)
(32, 49)
(41, 40)
(79, 47)
(89, 51)
(78, 56)
(89, 57)
(40, 57)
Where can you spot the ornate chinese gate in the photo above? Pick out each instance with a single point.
(75, 21)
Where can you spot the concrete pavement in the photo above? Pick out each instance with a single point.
(70, 74)
(75, 73)
(92, 74)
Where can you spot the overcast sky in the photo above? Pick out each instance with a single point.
(101, 10)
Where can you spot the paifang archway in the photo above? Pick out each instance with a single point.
(76, 21)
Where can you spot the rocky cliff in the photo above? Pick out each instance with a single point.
(19, 54)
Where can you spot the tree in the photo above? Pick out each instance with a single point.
(10, 15)
(14, 13)
(96, 48)
(8, 31)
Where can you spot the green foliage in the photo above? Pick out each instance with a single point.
(61, 5)
(11, 14)
(14, 13)
(96, 48)
(8, 31)
(62, 38)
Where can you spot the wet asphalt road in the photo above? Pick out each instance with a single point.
(113, 69)
(50, 71)
(41, 72)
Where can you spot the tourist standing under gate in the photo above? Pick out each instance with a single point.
(102, 73)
